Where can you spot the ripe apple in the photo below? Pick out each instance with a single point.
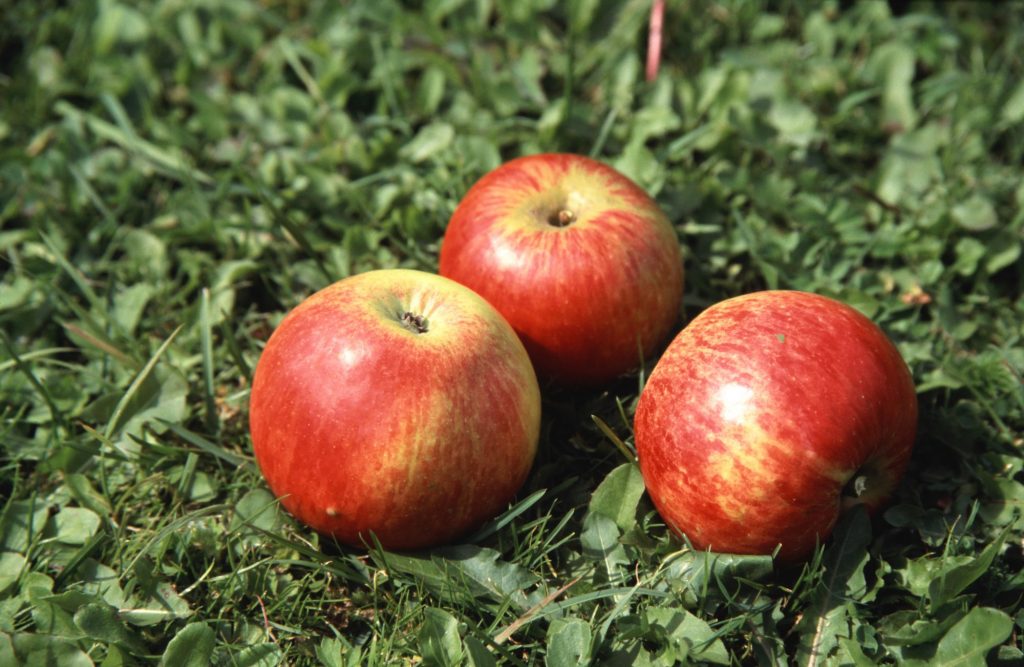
(395, 402)
(766, 416)
(580, 261)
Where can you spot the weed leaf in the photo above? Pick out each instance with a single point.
(439, 638)
(191, 647)
(948, 583)
(842, 583)
(618, 495)
(43, 649)
(968, 642)
(568, 643)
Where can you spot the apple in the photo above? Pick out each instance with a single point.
(767, 416)
(577, 257)
(397, 403)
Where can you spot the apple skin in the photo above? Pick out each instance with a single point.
(360, 423)
(764, 414)
(591, 293)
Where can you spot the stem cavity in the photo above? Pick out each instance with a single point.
(414, 323)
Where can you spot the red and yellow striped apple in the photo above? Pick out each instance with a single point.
(767, 415)
(395, 402)
(579, 259)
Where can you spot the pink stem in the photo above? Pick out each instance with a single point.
(654, 39)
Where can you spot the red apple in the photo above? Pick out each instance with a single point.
(395, 402)
(767, 415)
(580, 261)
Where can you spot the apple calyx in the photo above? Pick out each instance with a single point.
(414, 323)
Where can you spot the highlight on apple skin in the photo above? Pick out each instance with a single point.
(766, 416)
(578, 258)
(395, 402)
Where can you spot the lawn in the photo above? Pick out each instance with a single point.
(175, 175)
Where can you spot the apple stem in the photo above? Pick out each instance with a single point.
(563, 218)
(414, 323)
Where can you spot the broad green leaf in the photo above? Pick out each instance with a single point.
(907, 628)
(75, 525)
(11, 566)
(116, 23)
(467, 570)
(21, 523)
(617, 496)
(476, 654)
(712, 83)
(199, 487)
(192, 646)
(568, 643)
(267, 654)
(225, 286)
(98, 579)
(480, 153)
(439, 638)
(919, 573)
(685, 628)
(430, 91)
(1004, 500)
(1013, 109)
(951, 581)
(173, 163)
(153, 600)
(640, 164)
(1003, 251)
(488, 571)
(819, 31)
(968, 642)
(151, 395)
(147, 253)
(83, 491)
(7, 656)
(101, 622)
(329, 652)
(975, 214)
(430, 141)
(898, 63)
(653, 122)
(600, 542)
(910, 166)
(257, 508)
(39, 650)
(130, 303)
(850, 653)
(51, 619)
(795, 122)
(841, 584)
(701, 572)
(581, 14)
(969, 251)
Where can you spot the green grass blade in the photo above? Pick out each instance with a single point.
(115, 420)
(206, 349)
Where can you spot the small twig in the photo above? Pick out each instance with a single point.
(868, 194)
(654, 39)
(504, 635)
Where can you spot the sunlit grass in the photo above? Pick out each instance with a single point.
(175, 176)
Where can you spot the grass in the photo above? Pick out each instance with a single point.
(175, 175)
